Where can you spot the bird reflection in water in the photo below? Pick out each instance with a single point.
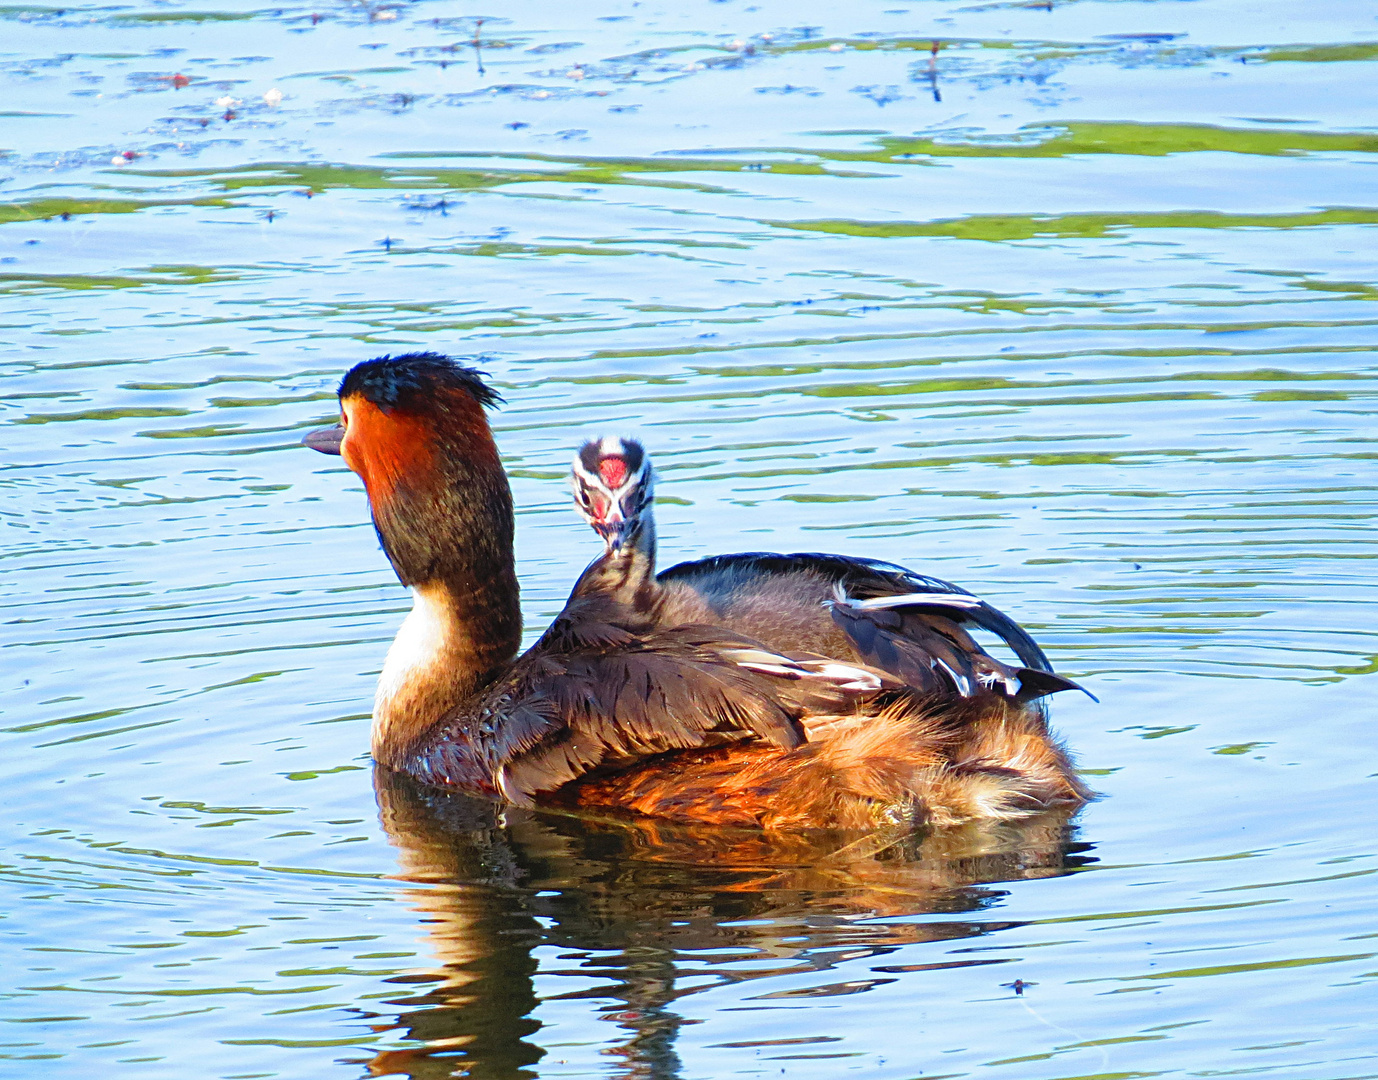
(636, 903)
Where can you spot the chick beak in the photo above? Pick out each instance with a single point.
(326, 440)
(614, 530)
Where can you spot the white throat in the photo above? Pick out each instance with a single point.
(416, 657)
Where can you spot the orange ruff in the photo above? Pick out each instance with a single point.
(399, 448)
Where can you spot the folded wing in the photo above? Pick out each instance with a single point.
(585, 701)
(919, 638)
(912, 626)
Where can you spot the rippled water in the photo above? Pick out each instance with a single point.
(1072, 303)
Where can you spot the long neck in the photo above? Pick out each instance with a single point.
(626, 576)
(637, 559)
(452, 544)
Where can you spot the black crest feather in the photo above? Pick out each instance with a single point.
(410, 381)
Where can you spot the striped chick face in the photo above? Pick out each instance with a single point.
(613, 486)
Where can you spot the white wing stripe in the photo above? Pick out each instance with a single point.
(843, 676)
(966, 603)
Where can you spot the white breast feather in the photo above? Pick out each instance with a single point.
(415, 648)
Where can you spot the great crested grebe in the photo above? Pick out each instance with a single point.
(626, 702)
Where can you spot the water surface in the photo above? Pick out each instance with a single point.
(1071, 303)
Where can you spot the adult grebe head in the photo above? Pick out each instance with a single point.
(413, 428)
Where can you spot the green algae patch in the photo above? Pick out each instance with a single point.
(495, 248)
(930, 45)
(628, 170)
(1321, 54)
(185, 16)
(20, 11)
(131, 413)
(1032, 141)
(1300, 395)
(1095, 137)
(1158, 140)
(47, 209)
(996, 228)
(1359, 290)
(20, 282)
(1134, 139)
(316, 179)
(936, 46)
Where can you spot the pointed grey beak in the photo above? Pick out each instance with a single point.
(326, 440)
